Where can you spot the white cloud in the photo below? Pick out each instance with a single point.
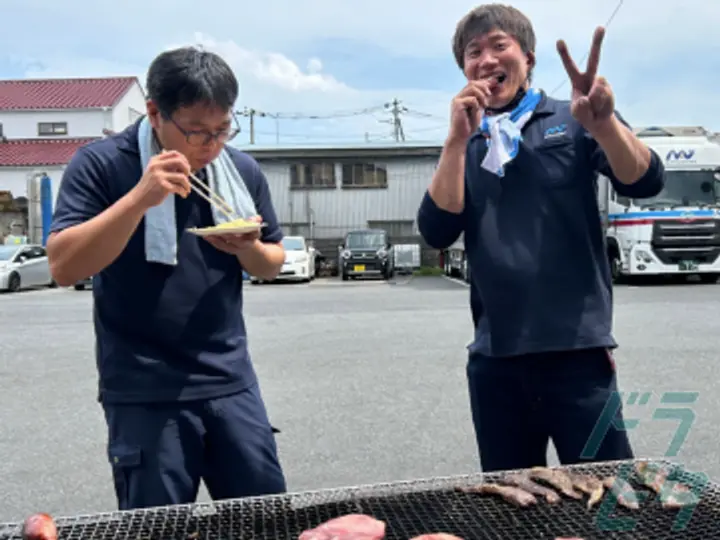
(641, 53)
(273, 69)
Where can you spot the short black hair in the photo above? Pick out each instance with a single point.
(484, 18)
(190, 76)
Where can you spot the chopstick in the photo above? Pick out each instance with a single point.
(210, 196)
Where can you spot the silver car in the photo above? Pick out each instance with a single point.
(23, 266)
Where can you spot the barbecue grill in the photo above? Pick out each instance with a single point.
(410, 509)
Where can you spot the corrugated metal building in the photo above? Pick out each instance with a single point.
(324, 192)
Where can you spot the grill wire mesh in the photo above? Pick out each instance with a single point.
(409, 509)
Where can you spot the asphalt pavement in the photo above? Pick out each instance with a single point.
(366, 381)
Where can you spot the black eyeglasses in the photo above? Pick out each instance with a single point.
(204, 137)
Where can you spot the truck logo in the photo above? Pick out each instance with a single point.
(680, 154)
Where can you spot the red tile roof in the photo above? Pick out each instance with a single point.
(34, 94)
(39, 152)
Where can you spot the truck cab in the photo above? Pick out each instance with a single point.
(677, 232)
(365, 253)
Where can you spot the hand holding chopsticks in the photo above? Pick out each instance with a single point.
(166, 173)
(202, 189)
(169, 172)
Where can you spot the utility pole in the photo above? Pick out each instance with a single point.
(396, 109)
(252, 113)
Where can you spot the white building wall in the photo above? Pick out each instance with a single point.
(128, 109)
(336, 211)
(81, 123)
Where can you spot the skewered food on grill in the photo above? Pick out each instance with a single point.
(623, 491)
(557, 479)
(511, 494)
(589, 485)
(524, 482)
(349, 527)
(39, 527)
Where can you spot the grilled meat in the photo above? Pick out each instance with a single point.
(511, 494)
(525, 483)
(39, 527)
(672, 494)
(675, 495)
(623, 491)
(557, 479)
(651, 475)
(349, 527)
(589, 485)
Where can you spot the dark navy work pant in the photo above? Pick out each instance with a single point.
(521, 403)
(159, 453)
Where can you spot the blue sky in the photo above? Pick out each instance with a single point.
(318, 57)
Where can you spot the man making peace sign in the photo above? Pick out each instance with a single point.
(518, 176)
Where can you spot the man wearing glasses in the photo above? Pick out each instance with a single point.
(176, 383)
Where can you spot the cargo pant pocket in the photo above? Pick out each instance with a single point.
(124, 460)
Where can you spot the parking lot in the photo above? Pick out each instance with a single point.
(365, 380)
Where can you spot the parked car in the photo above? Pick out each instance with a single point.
(83, 283)
(300, 261)
(23, 266)
(366, 252)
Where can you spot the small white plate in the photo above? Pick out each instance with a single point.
(218, 231)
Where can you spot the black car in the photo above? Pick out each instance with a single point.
(366, 252)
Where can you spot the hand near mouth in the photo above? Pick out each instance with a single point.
(592, 101)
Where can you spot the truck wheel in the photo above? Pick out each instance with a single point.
(615, 265)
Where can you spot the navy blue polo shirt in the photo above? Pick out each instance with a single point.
(539, 273)
(163, 333)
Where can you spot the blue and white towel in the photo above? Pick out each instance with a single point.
(504, 132)
(161, 236)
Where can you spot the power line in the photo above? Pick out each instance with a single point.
(395, 108)
(607, 24)
(319, 116)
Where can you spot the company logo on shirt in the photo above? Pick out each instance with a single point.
(556, 131)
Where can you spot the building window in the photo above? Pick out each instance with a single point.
(312, 176)
(397, 230)
(364, 175)
(52, 128)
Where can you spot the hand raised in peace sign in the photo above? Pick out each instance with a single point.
(593, 103)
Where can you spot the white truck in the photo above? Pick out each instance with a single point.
(677, 232)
